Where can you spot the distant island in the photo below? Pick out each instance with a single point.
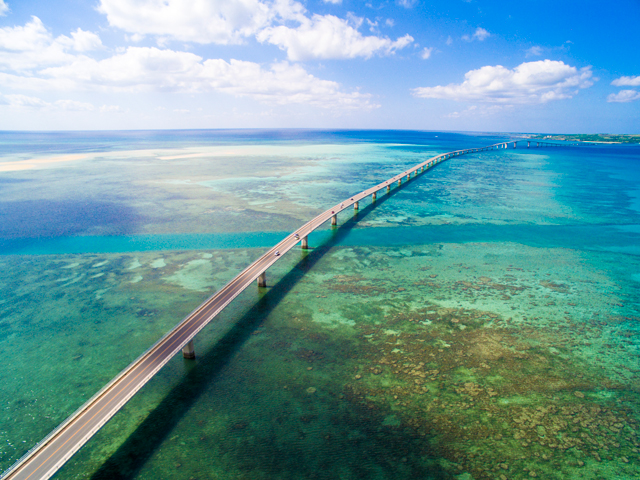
(594, 138)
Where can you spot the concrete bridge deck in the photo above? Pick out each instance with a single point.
(42, 461)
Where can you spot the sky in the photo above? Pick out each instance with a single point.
(534, 66)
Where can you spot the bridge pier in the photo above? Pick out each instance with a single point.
(528, 144)
(373, 196)
(262, 280)
(334, 220)
(388, 188)
(356, 206)
(514, 144)
(305, 242)
(188, 351)
(399, 182)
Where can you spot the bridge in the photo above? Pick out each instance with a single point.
(51, 453)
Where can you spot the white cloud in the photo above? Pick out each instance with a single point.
(624, 96)
(463, 113)
(232, 21)
(4, 8)
(31, 59)
(327, 36)
(534, 51)
(426, 52)
(482, 111)
(25, 101)
(533, 82)
(627, 82)
(449, 40)
(406, 3)
(201, 21)
(389, 22)
(373, 26)
(85, 41)
(30, 46)
(110, 109)
(335, 2)
(480, 34)
(283, 23)
(73, 105)
(142, 69)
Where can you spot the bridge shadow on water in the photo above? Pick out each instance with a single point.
(139, 447)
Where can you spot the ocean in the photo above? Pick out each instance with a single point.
(481, 321)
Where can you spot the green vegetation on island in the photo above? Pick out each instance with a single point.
(597, 137)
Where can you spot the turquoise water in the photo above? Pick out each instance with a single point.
(480, 322)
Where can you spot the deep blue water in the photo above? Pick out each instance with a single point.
(98, 141)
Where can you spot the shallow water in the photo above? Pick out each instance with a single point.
(480, 322)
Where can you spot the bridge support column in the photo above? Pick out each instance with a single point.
(408, 177)
(528, 144)
(514, 144)
(356, 206)
(334, 220)
(374, 196)
(188, 351)
(262, 280)
(305, 242)
(399, 182)
(388, 188)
